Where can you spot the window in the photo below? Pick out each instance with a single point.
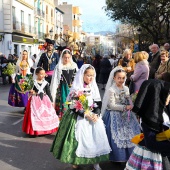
(13, 14)
(29, 50)
(22, 17)
(22, 21)
(22, 48)
(16, 49)
(29, 22)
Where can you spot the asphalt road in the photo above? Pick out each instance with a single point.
(19, 151)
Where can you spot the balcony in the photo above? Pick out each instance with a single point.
(52, 20)
(76, 35)
(39, 35)
(39, 13)
(47, 18)
(77, 10)
(22, 28)
(77, 23)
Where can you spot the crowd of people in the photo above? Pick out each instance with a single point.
(64, 98)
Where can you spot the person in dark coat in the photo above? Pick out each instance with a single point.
(154, 60)
(152, 105)
(96, 65)
(3, 62)
(105, 69)
(49, 60)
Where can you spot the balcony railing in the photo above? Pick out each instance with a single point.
(39, 35)
(39, 12)
(23, 28)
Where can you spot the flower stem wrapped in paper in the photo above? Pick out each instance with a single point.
(10, 69)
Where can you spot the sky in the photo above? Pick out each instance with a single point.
(93, 16)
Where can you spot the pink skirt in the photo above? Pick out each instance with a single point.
(40, 117)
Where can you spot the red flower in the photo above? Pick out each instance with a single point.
(78, 105)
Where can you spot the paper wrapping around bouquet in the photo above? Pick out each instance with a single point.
(165, 135)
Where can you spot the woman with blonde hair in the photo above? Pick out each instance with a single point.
(18, 96)
(141, 72)
(128, 64)
(164, 65)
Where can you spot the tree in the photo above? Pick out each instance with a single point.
(153, 16)
(80, 47)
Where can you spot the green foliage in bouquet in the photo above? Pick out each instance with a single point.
(133, 96)
(26, 83)
(10, 69)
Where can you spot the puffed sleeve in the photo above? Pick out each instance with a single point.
(97, 110)
(113, 101)
(47, 88)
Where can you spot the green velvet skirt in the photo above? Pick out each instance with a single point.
(65, 144)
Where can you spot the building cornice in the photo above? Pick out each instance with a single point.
(50, 3)
(26, 4)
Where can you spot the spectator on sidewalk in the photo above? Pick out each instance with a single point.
(154, 60)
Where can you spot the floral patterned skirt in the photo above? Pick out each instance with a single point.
(61, 96)
(16, 98)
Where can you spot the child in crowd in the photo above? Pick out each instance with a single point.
(121, 123)
(81, 137)
(40, 117)
(151, 105)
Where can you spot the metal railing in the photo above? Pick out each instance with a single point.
(39, 12)
(23, 28)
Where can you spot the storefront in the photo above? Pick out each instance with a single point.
(21, 43)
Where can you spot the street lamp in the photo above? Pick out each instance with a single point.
(51, 33)
(139, 30)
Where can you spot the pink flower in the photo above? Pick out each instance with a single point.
(21, 81)
(80, 93)
(78, 105)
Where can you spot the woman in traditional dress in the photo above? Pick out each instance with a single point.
(81, 137)
(40, 117)
(62, 79)
(18, 97)
(121, 123)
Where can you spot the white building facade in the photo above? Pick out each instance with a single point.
(17, 29)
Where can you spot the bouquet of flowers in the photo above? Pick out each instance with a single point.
(133, 96)
(78, 100)
(10, 69)
(26, 83)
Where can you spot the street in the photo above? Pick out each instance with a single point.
(19, 151)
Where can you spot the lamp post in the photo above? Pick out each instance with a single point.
(139, 30)
(51, 33)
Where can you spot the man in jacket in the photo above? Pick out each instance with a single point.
(49, 59)
(154, 60)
